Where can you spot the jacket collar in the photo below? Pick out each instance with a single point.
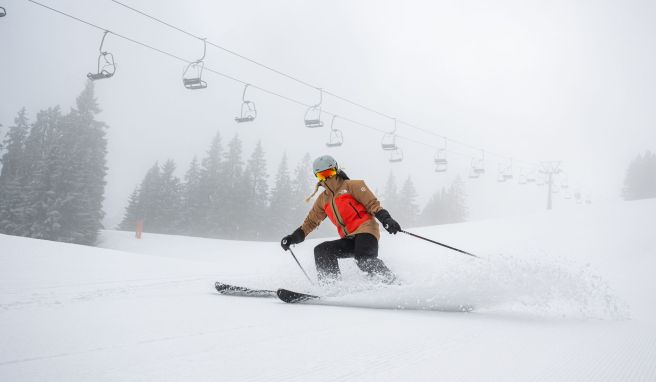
(333, 184)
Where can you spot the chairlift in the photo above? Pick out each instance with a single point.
(388, 142)
(248, 110)
(106, 66)
(473, 174)
(3, 12)
(478, 164)
(313, 113)
(500, 176)
(508, 171)
(192, 77)
(564, 184)
(522, 177)
(396, 155)
(530, 177)
(441, 163)
(335, 139)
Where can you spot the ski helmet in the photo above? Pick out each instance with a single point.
(323, 163)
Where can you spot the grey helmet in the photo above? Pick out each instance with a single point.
(323, 163)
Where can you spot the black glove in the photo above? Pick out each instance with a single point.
(391, 225)
(297, 237)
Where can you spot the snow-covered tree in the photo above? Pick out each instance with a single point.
(408, 210)
(232, 219)
(12, 176)
(194, 204)
(256, 195)
(302, 186)
(279, 220)
(210, 189)
(640, 179)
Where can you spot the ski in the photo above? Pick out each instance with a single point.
(234, 290)
(292, 297)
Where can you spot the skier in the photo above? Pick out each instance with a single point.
(350, 205)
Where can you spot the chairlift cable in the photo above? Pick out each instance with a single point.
(264, 90)
(305, 83)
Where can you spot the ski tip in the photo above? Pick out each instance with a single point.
(291, 297)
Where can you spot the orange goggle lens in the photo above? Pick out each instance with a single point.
(325, 174)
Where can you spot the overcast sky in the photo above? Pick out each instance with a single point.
(533, 80)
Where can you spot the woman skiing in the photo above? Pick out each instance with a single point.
(350, 205)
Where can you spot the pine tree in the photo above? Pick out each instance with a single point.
(12, 176)
(43, 165)
(84, 148)
(301, 188)
(210, 189)
(433, 212)
(132, 212)
(408, 211)
(640, 179)
(194, 205)
(147, 200)
(256, 192)
(457, 201)
(232, 219)
(279, 220)
(169, 211)
(390, 197)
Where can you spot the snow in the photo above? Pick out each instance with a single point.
(565, 295)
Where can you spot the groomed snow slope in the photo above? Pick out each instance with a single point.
(561, 296)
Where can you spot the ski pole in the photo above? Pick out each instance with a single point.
(300, 266)
(443, 245)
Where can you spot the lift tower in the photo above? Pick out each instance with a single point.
(549, 169)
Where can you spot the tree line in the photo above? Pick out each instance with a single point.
(226, 196)
(53, 173)
(640, 179)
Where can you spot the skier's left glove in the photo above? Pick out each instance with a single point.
(297, 237)
(391, 225)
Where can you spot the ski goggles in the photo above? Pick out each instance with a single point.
(325, 174)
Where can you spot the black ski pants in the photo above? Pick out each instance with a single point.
(363, 247)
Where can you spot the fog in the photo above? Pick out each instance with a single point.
(570, 81)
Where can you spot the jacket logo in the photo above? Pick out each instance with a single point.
(363, 189)
(341, 192)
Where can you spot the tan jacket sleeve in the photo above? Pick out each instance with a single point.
(314, 217)
(363, 194)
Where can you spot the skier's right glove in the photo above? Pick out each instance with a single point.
(297, 237)
(391, 225)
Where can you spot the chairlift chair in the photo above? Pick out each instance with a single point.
(313, 113)
(507, 174)
(522, 177)
(248, 110)
(388, 142)
(478, 164)
(335, 139)
(473, 174)
(396, 155)
(106, 66)
(3, 12)
(530, 177)
(441, 163)
(192, 77)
